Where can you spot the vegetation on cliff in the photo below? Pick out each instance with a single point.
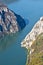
(36, 58)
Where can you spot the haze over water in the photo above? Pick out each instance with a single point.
(28, 9)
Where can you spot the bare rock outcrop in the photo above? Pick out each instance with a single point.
(10, 22)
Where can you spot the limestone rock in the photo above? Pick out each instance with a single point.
(10, 22)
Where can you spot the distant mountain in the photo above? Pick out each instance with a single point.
(8, 1)
(10, 22)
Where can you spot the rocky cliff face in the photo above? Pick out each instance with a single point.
(31, 37)
(10, 22)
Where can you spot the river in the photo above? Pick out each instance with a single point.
(11, 52)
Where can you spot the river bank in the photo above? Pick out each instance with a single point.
(31, 37)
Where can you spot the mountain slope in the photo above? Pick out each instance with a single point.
(10, 22)
(36, 58)
(33, 42)
(31, 37)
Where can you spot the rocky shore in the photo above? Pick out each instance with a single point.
(31, 37)
(33, 42)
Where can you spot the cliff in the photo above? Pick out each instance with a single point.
(10, 22)
(34, 44)
(36, 58)
(31, 37)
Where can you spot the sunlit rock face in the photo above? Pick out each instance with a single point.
(34, 33)
(10, 22)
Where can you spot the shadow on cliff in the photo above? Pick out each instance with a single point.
(22, 22)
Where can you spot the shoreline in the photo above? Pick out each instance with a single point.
(31, 37)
